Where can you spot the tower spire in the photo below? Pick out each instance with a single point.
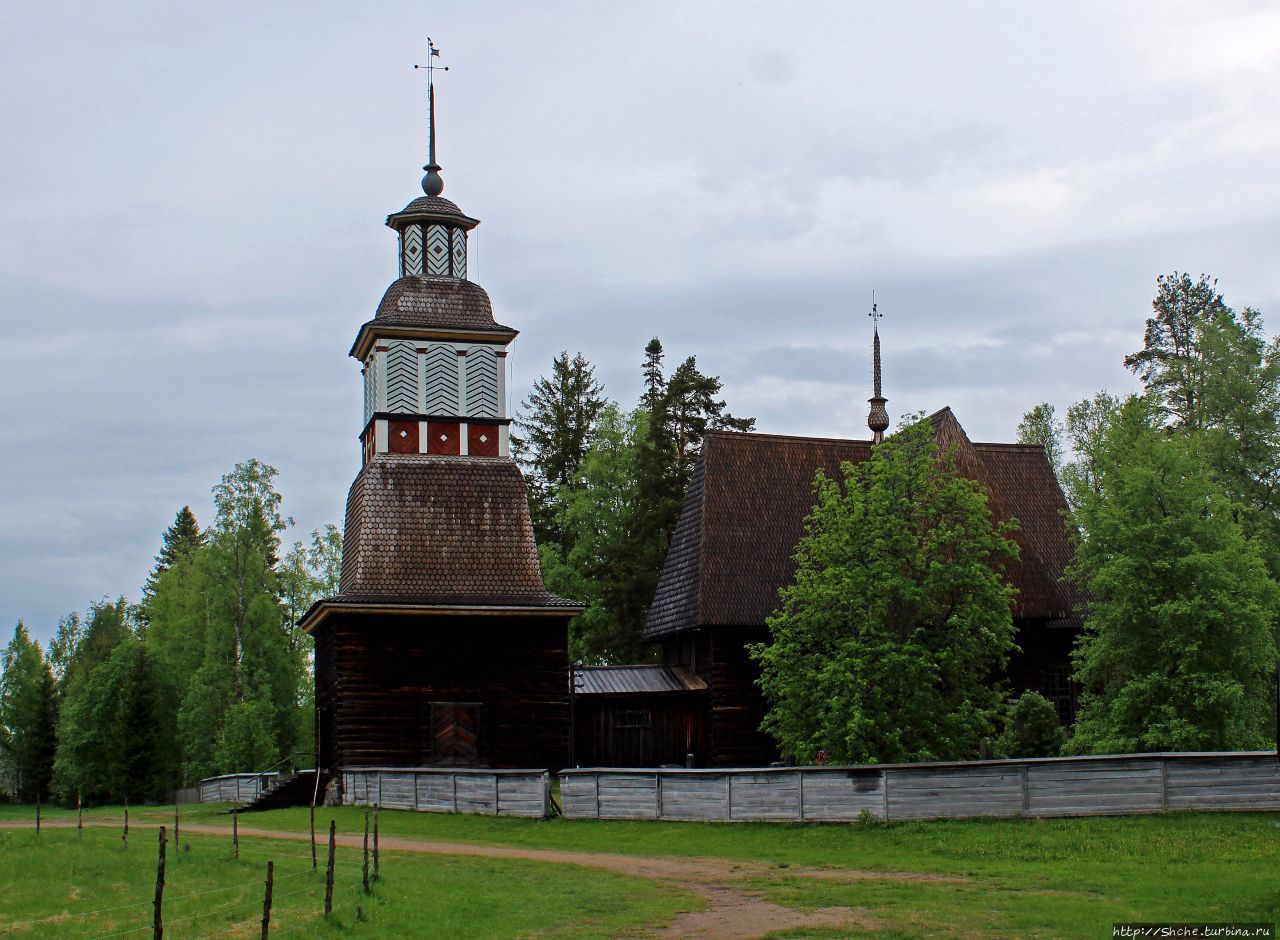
(432, 184)
(878, 418)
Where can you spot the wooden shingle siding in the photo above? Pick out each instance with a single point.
(1045, 787)
(487, 793)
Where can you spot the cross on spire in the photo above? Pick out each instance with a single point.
(432, 184)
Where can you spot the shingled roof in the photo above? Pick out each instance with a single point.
(424, 530)
(449, 304)
(749, 495)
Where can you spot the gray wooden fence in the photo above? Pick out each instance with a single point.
(229, 788)
(1075, 786)
(439, 790)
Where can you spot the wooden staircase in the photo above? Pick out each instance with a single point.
(295, 790)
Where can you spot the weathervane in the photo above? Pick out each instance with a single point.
(432, 184)
(878, 418)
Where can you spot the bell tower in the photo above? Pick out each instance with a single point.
(434, 359)
(443, 646)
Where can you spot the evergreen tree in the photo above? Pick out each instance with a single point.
(554, 432)
(679, 412)
(180, 542)
(888, 638)
(28, 717)
(1179, 642)
(693, 407)
(599, 564)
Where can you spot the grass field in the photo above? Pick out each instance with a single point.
(59, 884)
(1050, 878)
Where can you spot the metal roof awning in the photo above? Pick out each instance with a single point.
(637, 680)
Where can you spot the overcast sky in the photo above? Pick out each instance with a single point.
(192, 200)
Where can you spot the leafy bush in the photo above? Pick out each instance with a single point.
(1031, 728)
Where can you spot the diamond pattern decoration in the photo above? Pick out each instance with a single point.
(411, 251)
(459, 253)
(437, 249)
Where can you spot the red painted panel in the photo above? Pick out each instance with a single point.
(482, 440)
(443, 437)
(402, 437)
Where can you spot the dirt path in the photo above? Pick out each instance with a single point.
(733, 910)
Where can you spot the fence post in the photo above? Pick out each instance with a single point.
(125, 837)
(328, 875)
(366, 851)
(266, 901)
(313, 835)
(235, 829)
(79, 819)
(157, 920)
(377, 866)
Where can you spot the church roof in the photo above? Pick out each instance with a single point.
(432, 207)
(749, 495)
(437, 303)
(425, 530)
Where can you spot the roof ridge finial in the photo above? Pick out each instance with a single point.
(878, 418)
(432, 184)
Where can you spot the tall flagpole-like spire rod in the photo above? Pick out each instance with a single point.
(432, 184)
(878, 418)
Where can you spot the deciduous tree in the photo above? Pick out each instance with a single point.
(1180, 635)
(888, 640)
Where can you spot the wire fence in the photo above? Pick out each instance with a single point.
(105, 833)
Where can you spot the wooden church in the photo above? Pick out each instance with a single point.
(742, 517)
(443, 647)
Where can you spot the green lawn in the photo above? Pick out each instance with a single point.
(98, 887)
(1052, 878)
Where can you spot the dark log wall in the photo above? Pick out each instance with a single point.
(378, 677)
(737, 704)
(641, 730)
(1044, 665)
(326, 687)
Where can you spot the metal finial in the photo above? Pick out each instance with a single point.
(432, 184)
(878, 418)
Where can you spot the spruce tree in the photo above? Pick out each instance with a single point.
(28, 717)
(180, 542)
(554, 432)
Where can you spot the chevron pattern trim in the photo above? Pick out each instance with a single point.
(482, 382)
(402, 378)
(370, 388)
(459, 253)
(437, 249)
(411, 251)
(442, 380)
